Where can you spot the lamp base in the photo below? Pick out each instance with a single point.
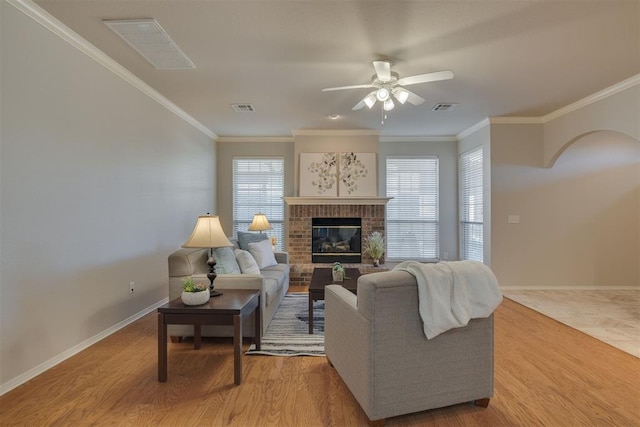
(215, 293)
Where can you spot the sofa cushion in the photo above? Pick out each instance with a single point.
(244, 238)
(262, 252)
(226, 261)
(246, 262)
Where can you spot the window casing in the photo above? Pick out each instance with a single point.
(412, 215)
(258, 187)
(471, 205)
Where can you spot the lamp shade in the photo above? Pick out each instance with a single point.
(208, 233)
(260, 223)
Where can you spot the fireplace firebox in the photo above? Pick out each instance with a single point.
(336, 239)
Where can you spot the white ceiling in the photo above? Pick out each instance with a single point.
(510, 58)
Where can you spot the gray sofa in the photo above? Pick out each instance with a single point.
(273, 283)
(376, 343)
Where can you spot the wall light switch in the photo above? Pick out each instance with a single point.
(513, 219)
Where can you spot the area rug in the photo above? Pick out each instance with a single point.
(288, 332)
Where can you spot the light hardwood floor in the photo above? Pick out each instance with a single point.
(610, 316)
(546, 374)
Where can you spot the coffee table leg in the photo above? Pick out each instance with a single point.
(310, 314)
(162, 348)
(237, 349)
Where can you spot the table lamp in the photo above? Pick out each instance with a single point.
(260, 223)
(208, 233)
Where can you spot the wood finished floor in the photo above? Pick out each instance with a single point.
(610, 316)
(546, 374)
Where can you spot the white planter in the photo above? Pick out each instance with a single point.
(195, 298)
(338, 276)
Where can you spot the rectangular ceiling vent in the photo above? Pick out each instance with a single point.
(243, 108)
(151, 41)
(444, 107)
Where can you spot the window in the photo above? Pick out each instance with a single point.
(471, 205)
(258, 187)
(412, 214)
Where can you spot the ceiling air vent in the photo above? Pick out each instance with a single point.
(151, 41)
(444, 107)
(243, 108)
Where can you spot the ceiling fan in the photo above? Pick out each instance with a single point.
(388, 84)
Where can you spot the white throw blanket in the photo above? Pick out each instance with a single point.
(452, 293)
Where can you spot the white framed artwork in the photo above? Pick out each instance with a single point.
(318, 174)
(338, 175)
(357, 175)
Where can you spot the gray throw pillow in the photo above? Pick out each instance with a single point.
(226, 261)
(244, 238)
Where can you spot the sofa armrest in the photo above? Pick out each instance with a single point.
(282, 257)
(348, 339)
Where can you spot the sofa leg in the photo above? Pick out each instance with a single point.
(482, 402)
(175, 339)
(377, 423)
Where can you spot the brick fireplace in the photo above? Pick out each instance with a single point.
(301, 211)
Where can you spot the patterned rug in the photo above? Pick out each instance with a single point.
(288, 332)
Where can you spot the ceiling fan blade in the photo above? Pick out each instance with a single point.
(362, 103)
(425, 78)
(414, 99)
(383, 70)
(330, 89)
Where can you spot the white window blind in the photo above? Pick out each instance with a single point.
(471, 204)
(258, 187)
(413, 213)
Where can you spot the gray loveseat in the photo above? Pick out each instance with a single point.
(272, 281)
(376, 343)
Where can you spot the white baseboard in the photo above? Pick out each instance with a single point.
(570, 288)
(31, 373)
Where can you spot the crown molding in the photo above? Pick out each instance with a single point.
(42, 17)
(334, 132)
(604, 93)
(265, 139)
(465, 133)
(401, 139)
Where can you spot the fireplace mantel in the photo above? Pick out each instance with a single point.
(336, 200)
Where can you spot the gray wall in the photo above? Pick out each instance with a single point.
(99, 183)
(579, 219)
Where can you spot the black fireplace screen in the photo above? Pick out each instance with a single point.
(336, 239)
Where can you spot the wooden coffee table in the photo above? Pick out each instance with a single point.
(322, 277)
(231, 308)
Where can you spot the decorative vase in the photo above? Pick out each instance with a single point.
(195, 298)
(338, 276)
(376, 262)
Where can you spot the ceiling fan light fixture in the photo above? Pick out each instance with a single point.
(388, 105)
(382, 94)
(401, 95)
(370, 100)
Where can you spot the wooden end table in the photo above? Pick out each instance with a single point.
(322, 277)
(231, 308)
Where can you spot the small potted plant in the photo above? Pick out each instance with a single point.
(337, 272)
(374, 247)
(194, 293)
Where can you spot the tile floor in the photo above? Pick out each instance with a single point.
(610, 316)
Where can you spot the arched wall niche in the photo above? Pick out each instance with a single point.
(580, 137)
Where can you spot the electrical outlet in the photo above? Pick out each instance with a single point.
(445, 256)
(132, 286)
